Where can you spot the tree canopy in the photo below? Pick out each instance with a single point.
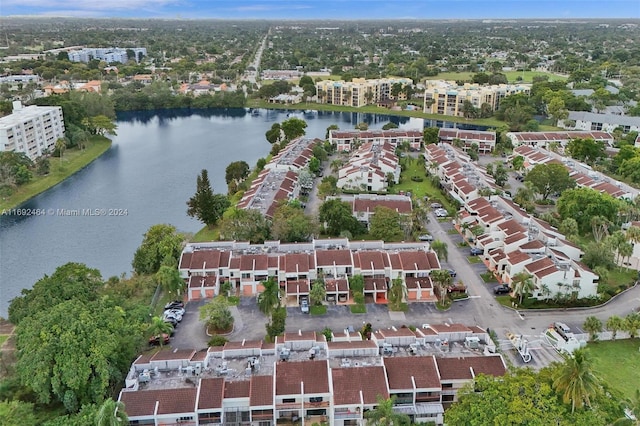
(290, 224)
(583, 204)
(586, 150)
(161, 245)
(337, 217)
(385, 224)
(72, 281)
(548, 179)
(244, 225)
(522, 397)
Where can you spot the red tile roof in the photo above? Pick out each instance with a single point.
(468, 367)
(313, 374)
(401, 370)
(211, 391)
(331, 257)
(261, 391)
(348, 382)
(236, 389)
(170, 401)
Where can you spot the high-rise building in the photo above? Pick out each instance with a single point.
(31, 130)
(359, 91)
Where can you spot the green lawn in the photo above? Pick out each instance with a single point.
(72, 161)
(358, 309)
(3, 338)
(527, 76)
(206, 234)
(415, 167)
(618, 364)
(318, 310)
(474, 259)
(488, 277)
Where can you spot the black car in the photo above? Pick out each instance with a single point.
(502, 289)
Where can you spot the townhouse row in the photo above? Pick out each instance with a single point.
(278, 181)
(302, 378)
(347, 140)
(512, 240)
(370, 167)
(205, 266)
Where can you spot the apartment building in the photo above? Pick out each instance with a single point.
(31, 130)
(486, 141)
(107, 54)
(363, 205)
(544, 139)
(368, 168)
(359, 91)
(205, 266)
(347, 140)
(591, 121)
(303, 378)
(448, 98)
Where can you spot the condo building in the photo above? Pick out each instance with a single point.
(31, 130)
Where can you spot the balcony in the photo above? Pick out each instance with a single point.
(289, 406)
(320, 404)
(347, 415)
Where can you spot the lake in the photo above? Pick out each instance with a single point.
(149, 173)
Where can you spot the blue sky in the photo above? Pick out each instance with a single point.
(327, 9)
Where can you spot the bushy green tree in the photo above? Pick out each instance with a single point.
(549, 179)
(385, 224)
(161, 245)
(337, 217)
(217, 314)
(245, 225)
(290, 224)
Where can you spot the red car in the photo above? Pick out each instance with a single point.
(155, 340)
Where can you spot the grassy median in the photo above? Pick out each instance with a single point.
(72, 161)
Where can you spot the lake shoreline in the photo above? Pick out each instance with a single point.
(85, 158)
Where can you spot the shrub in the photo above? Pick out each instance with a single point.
(417, 178)
(217, 340)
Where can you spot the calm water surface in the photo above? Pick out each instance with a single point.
(150, 171)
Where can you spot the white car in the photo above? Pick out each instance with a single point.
(442, 213)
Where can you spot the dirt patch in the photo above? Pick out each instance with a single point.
(6, 327)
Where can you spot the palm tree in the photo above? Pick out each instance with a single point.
(269, 299)
(545, 291)
(158, 327)
(384, 415)
(575, 379)
(442, 279)
(593, 326)
(633, 234)
(111, 413)
(633, 408)
(522, 284)
(61, 145)
(614, 324)
(632, 324)
(396, 293)
(441, 249)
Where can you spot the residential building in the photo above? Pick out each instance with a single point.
(347, 140)
(359, 91)
(448, 98)
(363, 205)
(107, 54)
(590, 121)
(368, 168)
(302, 377)
(486, 141)
(544, 139)
(31, 130)
(205, 266)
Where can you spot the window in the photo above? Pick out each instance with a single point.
(264, 423)
(288, 400)
(447, 385)
(596, 126)
(315, 399)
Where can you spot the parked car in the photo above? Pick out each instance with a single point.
(425, 237)
(172, 315)
(177, 311)
(155, 340)
(436, 206)
(457, 288)
(172, 321)
(174, 304)
(304, 306)
(475, 251)
(441, 213)
(452, 272)
(502, 289)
